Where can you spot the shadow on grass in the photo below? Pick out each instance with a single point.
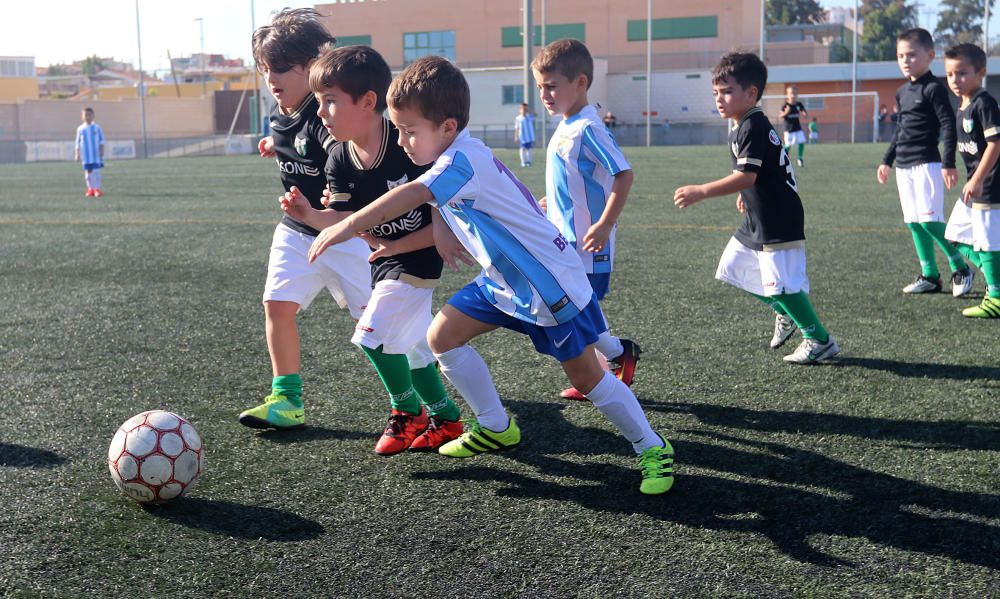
(311, 433)
(21, 456)
(237, 520)
(957, 372)
(794, 497)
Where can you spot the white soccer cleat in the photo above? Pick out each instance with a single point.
(811, 351)
(961, 281)
(923, 285)
(784, 326)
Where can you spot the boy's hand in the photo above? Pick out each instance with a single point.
(597, 237)
(294, 204)
(688, 195)
(338, 233)
(381, 248)
(543, 203)
(266, 147)
(950, 177)
(740, 205)
(448, 246)
(327, 197)
(882, 174)
(971, 191)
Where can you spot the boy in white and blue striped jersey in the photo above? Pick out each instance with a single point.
(587, 181)
(89, 149)
(524, 134)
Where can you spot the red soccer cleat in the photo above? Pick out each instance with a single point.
(623, 366)
(402, 429)
(90, 193)
(572, 394)
(437, 434)
(98, 193)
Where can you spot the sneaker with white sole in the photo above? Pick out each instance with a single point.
(924, 285)
(811, 351)
(961, 281)
(784, 326)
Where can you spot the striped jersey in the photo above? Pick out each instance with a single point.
(89, 139)
(529, 270)
(979, 124)
(525, 125)
(583, 160)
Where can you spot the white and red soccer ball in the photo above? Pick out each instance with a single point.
(155, 456)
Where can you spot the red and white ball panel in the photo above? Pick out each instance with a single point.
(155, 456)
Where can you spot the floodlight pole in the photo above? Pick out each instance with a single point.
(649, 72)
(545, 115)
(986, 35)
(854, 74)
(256, 98)
(201, 58)
(529, 42)
(142, 84)
(763, 26)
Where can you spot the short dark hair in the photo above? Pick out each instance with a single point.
(745, 68)
(970, 53)
(89, 109)
(434, 87)
(355, 69)
(568, 57)
(918, 36)
(293, 38)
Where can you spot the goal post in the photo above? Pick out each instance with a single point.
(841, 114)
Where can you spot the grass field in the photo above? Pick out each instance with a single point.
(872, 476)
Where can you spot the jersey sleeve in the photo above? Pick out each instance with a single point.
(599, 142)
(988, 115)
(79, 138)
(341, 198)
(751, 147)
(938, 97)
(450, 177)
(100, 135)
(890, 152)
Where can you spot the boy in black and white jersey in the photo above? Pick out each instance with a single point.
(283, 50)
(767, 255)
(974, 225)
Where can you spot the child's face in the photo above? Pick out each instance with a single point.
(732, 100)
(289, 87)
(87, 116)
(963, 79)
(914, 60)
(344, 118)
(791, 94)
(559, 94)
(421, 139)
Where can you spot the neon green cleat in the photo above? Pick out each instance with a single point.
(657, 465)
(277, 411)
(481, 440)
(990, 308)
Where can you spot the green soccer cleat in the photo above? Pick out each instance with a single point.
(277, 411)
(481, 440)
(657, 466)
(990, 308)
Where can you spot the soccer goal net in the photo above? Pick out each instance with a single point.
(839, 117)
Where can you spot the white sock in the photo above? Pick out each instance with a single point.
(616, 401)
(522, 153)
(527, 155)
(609, 345)
(97, 178)
(88, 176)
(466, 369)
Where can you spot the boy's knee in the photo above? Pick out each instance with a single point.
(280, 311)
(439, 339)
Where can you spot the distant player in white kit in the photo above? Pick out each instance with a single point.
(90, 150)
(524, 133)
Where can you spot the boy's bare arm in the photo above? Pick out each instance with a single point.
(692, 194)
(973, 189)
(295, 205)
(598, 234)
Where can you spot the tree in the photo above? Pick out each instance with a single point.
(883, 21)
(91, 65)
(960, 21)
(794, 12)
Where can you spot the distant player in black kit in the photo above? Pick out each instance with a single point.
(793, 111)
(350, 84)
(767, 255)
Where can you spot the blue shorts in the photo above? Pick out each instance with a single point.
(93, 166)
(527, 145)
(563, 342)
(601, 282)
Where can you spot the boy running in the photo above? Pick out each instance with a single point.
(975, 221)
(283, 51)
(587, 180)
(792, 112)
(89, 149)
(925, 114)
(350, 84)
(532, 281)
(767, 255)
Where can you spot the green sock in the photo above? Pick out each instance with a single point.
(771, 302)
(289, 385)
(802, 150)
(394, 370)
(924, 244)
(432, 394)
(971, 255)
(936, 231)
(800, 310)
(990, 265)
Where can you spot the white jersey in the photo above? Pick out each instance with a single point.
(583, 160)
(89, 139)
(525, 125)
(529, 271)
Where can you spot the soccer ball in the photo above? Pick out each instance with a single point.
(155, 456)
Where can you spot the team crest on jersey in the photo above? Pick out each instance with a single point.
(301, 145)
(564, 146)
(773, 136)
(394, 184)
(967, 125)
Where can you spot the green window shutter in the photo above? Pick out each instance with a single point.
(511, 36)
(354, 40)
(669, 29)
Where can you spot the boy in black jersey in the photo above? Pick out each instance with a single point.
(767, 255)
(350, 84)
(925, 115)
(974, 225)
(283, 51)
(792, 111)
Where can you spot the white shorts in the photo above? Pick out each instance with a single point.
(795, 137)
(959, 227)
(813, 136)
(921, 193)
(764, 273)
(397, 318)
(343, 269)
(986, 227)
